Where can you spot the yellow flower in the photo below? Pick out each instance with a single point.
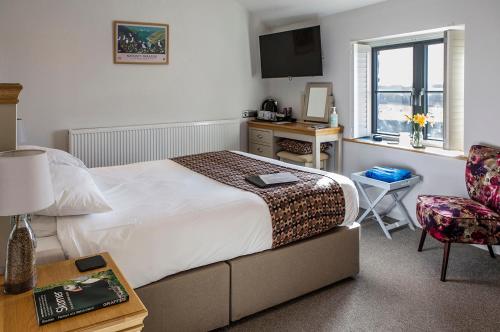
(420, 119)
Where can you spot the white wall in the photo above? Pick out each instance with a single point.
(482, 69)
(255, 28)
(61, 51)
(482, 21)
(3, 63)
(440, 175)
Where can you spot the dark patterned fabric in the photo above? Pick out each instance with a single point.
(482, 176)
(463, 220)
(300, 147)
(300, 210)
(458, 219)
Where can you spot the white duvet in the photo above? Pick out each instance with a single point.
(168, 219)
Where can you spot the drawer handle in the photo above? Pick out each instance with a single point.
(259, 149)
(259, 136)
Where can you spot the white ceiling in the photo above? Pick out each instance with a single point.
(275, 13)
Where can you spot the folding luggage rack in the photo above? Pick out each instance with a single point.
(397, 190)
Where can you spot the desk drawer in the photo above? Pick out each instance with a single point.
(261, 150)
(260, 136)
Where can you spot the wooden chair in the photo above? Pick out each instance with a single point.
(474, 220)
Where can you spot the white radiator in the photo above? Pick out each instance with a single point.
(98, 147)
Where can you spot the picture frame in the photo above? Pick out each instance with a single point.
(141, 43)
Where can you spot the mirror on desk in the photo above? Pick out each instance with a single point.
(317, 102)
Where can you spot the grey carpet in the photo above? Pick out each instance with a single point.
(398, 289)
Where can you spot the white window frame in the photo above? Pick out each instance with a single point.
(453, 108)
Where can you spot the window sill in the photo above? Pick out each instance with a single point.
(435, 151)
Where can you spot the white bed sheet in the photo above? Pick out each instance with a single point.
(167, 218)
(43, 226)
(49, 250)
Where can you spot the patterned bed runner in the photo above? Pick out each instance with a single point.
(300, 210)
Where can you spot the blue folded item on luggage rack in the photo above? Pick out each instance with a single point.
(388, 174)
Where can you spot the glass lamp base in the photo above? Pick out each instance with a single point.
(20, 268)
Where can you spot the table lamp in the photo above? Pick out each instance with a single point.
(25, 187)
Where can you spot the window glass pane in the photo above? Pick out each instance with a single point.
(435, 67)
(435, 111)
(395, 69)
(392, 108)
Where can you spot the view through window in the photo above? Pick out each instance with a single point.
(408, 79)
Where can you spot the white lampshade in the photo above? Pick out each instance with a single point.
(25, 182)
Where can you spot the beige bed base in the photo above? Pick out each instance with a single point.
(212, 296)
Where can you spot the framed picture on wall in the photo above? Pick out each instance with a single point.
(138, 42)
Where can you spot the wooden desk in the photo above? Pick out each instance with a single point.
(263, 137)
(17, 312)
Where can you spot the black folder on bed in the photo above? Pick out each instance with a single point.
(268, 180)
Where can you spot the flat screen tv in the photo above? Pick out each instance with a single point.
(291, 53)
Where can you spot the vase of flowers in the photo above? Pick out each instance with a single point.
(417, 138)
(417, 122)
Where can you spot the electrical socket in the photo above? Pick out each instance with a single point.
(249, 114)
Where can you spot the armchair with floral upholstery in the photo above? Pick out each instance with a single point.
(474, 220)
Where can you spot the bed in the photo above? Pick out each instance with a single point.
(203, 249)
(162, 207)
(200, 255)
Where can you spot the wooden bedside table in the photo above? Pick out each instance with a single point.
(17, 312)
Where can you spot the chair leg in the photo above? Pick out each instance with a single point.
(445, 260)
(422, 240)
(490, 249)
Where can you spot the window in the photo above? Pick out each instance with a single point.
(408, 79)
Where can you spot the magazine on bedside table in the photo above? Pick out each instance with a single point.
(267, 180)
(77, 296)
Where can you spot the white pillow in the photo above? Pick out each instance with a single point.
(75, 193)
(56, 156)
